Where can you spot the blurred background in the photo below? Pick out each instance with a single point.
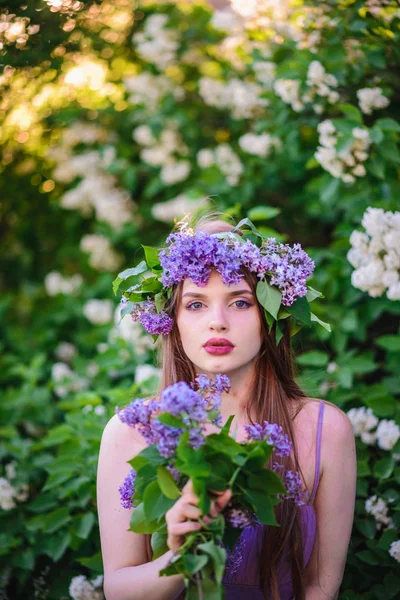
(118, 118)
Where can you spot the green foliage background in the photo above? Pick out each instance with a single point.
(54, 438)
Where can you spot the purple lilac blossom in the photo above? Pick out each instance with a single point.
(127, 489)
(138, 413)
(273, 434)
(181, 398)
(294, 488)
(152, 321)
(238, 518)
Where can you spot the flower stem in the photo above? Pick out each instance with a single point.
(232, 479)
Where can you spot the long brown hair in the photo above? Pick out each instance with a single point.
(275, 398)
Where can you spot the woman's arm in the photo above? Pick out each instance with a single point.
(127, 573)
(334, 505)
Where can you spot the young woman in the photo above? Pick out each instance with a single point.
(220, 328)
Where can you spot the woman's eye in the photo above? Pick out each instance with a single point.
(194, 305)
(243, 303)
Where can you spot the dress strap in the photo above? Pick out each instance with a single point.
(318, 450)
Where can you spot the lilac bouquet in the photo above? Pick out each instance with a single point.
(178, 449)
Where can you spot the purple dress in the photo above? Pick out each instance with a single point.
(241, 577)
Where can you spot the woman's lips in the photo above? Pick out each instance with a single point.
(218, 349)
(218, 346)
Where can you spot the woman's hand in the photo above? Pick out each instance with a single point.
(183, 517)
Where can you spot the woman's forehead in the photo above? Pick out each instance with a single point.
(215, 283)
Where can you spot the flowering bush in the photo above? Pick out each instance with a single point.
(285, 113)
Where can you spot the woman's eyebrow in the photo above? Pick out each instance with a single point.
(232, 294)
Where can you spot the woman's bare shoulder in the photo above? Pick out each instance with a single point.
(118, 434)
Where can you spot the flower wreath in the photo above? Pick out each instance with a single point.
(282, 271)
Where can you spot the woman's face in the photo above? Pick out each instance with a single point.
(219, 325)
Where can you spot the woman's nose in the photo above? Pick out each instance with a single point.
(218, 320)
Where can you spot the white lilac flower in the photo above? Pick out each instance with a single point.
(265, 72)
(10, 470)
(362, 419)
(177, 207)
(259, 145)
(205, 158)
(358, 257)
(65, 351)
(156, 43)
(98, 312)
(368, 438)
(7, 494)
(388, 432)
(144, 372)
(229, 163)
(102, 257)
(149, 90)
(374, 221)
(143, 135)
(392, 260)
(372, 99)
(289, 92)
(321, 83)
(225, 20)
(392, 240)
(66, 380)
(378, 508)
(390, 278)
(394, 550)
(99, 410)
(393, 293)
(82, 589)
(55, 284)
(176, 171)
(240, 97)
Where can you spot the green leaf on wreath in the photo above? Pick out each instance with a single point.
(132, 272)
(151, 255)
(269, 297)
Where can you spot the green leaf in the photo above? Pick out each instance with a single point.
(263, 506)
(151, 255)
(261, 213)
(329, 191)
(167, 483)
(269, 297)
(279, 332)
(363, 468)
(155, 503)
(218, 556)
(388, 124)
(313, 294)
(315, 319)
(55, 546)
(389, 342)
(384, 468)
(193, 562)
(351, 111)
(301, 310)
(387, 538)
(267, 482)
(381, 406)
(24, 560)
(56, 519)
(313, 358)
(94, 562)
(159, 544)
(367, 527)
(376, 135)
(367, 557)
(132, 272)
(83, 525)
(139, 523)
(376, 165)
(249, 224)
(168, 419)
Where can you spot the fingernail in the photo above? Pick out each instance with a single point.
(207, 520)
